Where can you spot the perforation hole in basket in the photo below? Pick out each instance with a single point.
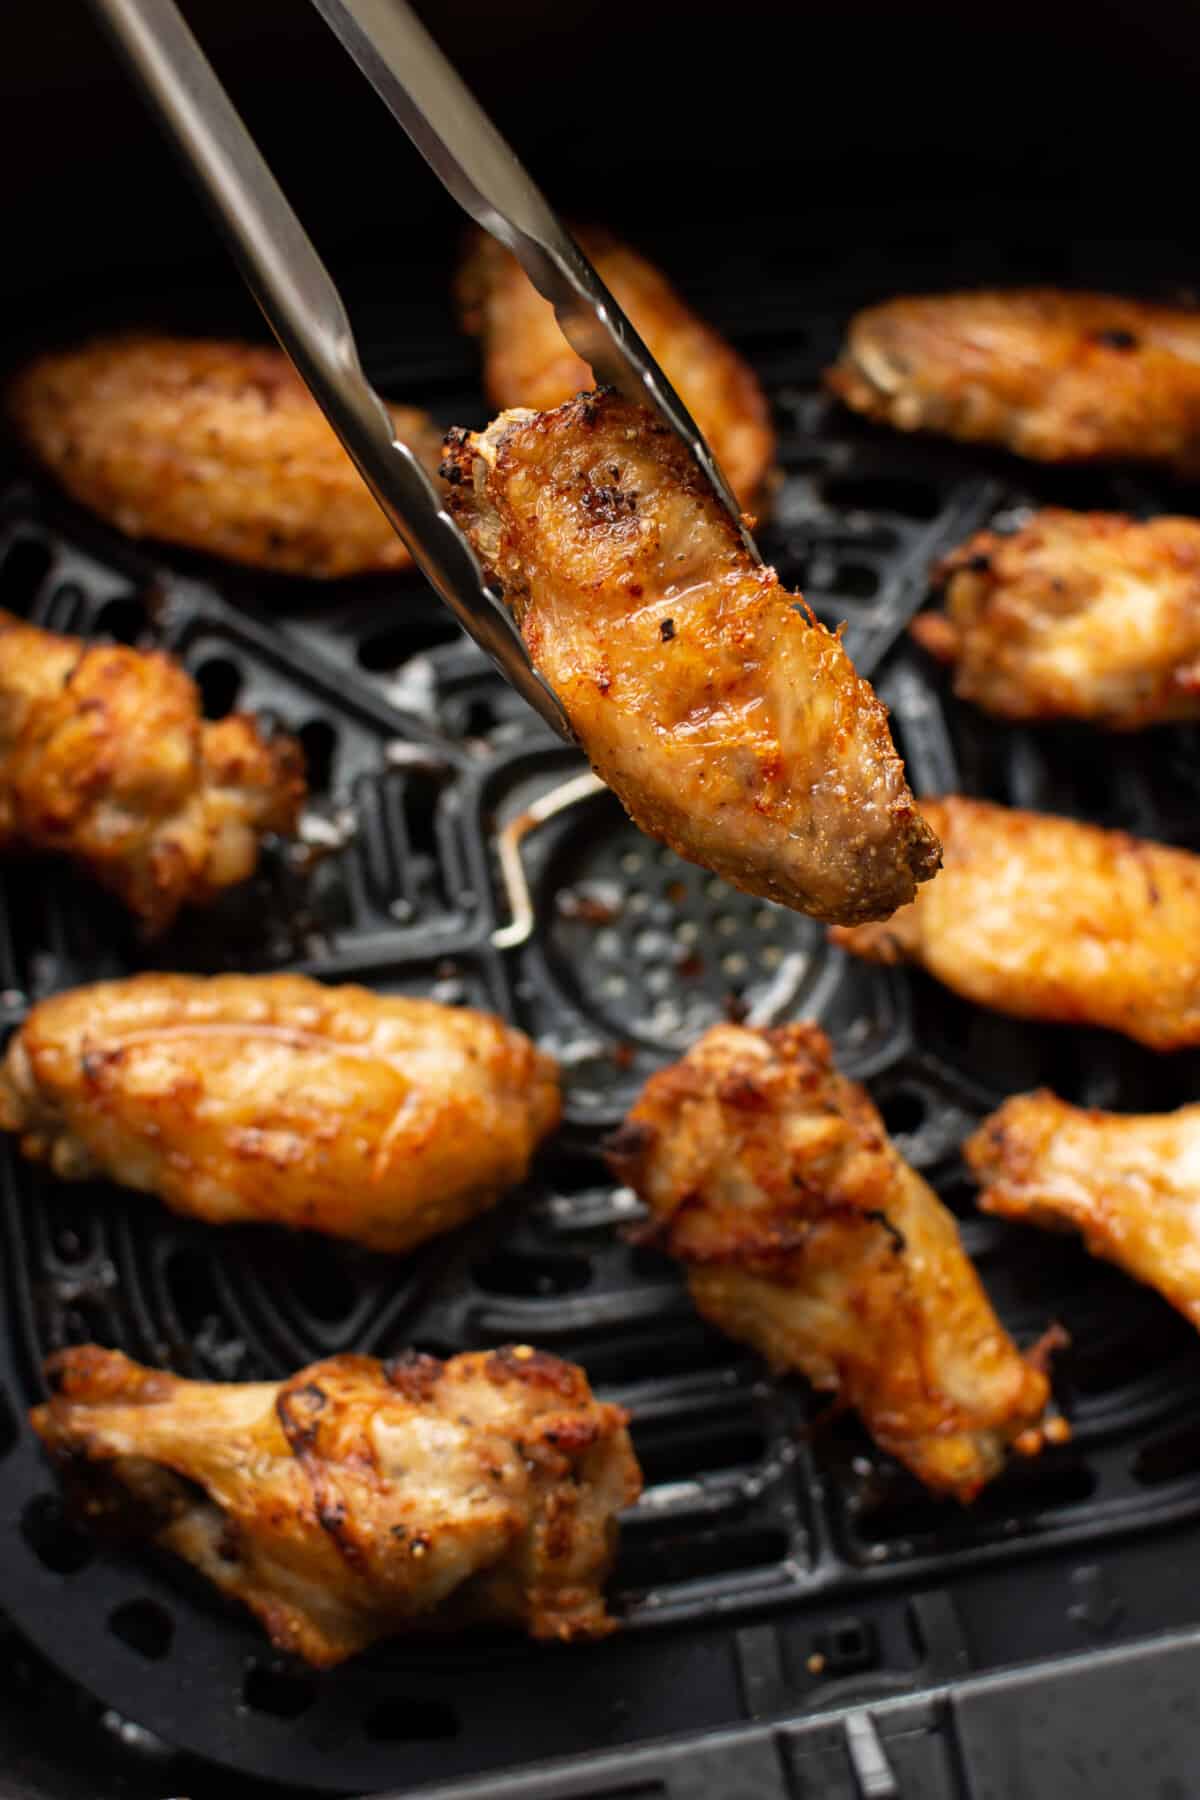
(277, 1693)
(24, 568)
(319, 738)
(220, 681)
(383, 651)
(904, 1110)
(144, 1626)
(855, 580)
(124, 618)
(58, 1545)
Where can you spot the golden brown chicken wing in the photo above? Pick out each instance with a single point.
(528, 362)
(217, 446)
(1059, 377)
(105, 757)
(730, 724)
(1076, 615)
(805, 1234)
(271, 1097)
(1129, 1184)
(1049, 919)
(361, 1498)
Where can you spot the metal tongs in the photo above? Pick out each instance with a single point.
(305, 310)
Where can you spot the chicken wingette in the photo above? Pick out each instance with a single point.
(1075, 616)
(1127, 1183)
(275, 1098)
(359, 1498)
(106, 757)
(1050, 919)
(730, 723)
(805, 1234)
(214, 445)
(528, 362)
(1057, 377)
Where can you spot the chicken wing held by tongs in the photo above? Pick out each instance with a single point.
(306, 312)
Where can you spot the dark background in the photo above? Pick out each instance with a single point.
(765, 130)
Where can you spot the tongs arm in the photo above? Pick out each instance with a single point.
(429, 99)
(305, 311)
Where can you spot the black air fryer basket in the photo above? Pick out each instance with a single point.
(799, 1617)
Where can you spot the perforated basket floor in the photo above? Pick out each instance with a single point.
(775, 1558)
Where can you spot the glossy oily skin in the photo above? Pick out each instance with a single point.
(242, 1098)
(358, 1499)
(1090, 616)
(1046, 918)
(731, 725)
(1054, 376)
(804, 1233)
(214, 445)
(106, 757)
(528, 362)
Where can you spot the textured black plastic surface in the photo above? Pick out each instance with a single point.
(775, 1558)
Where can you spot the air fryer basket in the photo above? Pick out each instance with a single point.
(776, 1562)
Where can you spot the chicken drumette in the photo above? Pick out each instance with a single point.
(1050, 919)
(528, 362)
(1076, 615)
(805, 1234)
(1059, 377)
(215, 445)
(727, 720)
(360, 1498)
(1127, 1184)
(275, 1098)
(105, 756)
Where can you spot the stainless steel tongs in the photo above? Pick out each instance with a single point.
(305, 311)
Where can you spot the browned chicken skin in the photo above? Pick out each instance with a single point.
(275, 1098)
(730, 725)
(359, 1498)
(218, 446)
(1049, 919)
(528, 362)
(105, 756)
(1130, 1184)
(1076, 615)
(805, 1234)
(1058, 377)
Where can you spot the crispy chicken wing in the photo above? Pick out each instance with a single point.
(731, 725)
(1076, 615)
(806, 1235)
(1059, 377)
(1050, 919)
(1129, 1184)
(273, 1097)
(106, 757)
(528, 362)
(217, 446)
(361, 1498)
